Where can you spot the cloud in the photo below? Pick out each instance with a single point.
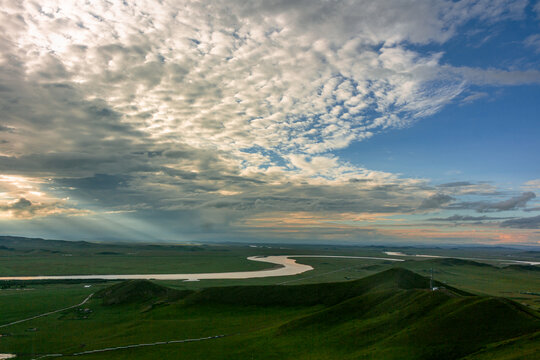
(533, 41)
(20, 204)
(96, 182)
(25, 198)
(505, 205)
(466, 218)
(532, 184)
(510, 204)
(467, 188)
(236, 80)
(455, 184)
(523, 223)
(474, 96)
(25, 209)
(233, 81)
(435, 201)
(197, 113)
(497, 77)
(6, 128)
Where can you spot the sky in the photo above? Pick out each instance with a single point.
(357, 122)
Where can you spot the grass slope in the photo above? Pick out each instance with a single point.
(389, 315)
(459, 262)
(314, 294)
(138, 291)
(523, 267)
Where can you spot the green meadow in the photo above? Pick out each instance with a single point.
(389, 315)
(343, 309)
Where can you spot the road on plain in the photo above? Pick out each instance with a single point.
(48, 313)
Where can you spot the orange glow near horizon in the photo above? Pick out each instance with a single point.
(336, 224)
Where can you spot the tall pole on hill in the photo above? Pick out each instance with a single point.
(431, 280)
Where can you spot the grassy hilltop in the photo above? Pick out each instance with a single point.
(389, 315)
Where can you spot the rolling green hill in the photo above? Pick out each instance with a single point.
(138, 291)
(389, 315)
(314, 294)
(523, 267)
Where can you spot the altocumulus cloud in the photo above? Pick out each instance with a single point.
(293, 76)
(230, 107)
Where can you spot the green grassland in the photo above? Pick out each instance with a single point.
(18, 303)
(343, 309)
(516, 282)
(388, 315)
(23, 256)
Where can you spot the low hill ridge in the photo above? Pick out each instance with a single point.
(138, 291)
(389, 315)
(523, 267)
(459, 262)
(314, 294)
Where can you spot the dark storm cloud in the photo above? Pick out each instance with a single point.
(523, 223)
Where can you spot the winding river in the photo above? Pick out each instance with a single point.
(288, 267)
